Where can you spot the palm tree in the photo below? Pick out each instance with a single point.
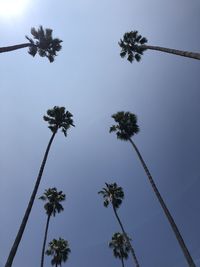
(44, 44)
(60, 250)
(125, 128)
(120, 247)
(133, 45)
(112, 194)
(57, 118)
(52, 206)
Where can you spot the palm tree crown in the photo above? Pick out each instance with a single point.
(112, 194)
(132, 46)
(59, 118)
(60, 250)
(45, 45)
(120, 246)
(53, 198)
(126, 125)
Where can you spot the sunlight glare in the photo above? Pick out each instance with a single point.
(12, 8)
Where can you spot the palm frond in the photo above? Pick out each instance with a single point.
(59, 118)
(59, 249)
(112, 194)
(132, 45)
(53, 199)
(44, 44)
(126, 126)
(119, 245)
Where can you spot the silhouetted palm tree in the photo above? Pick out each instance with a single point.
(60, 250)
(57, 118)
(114, 195)
(120, 247)
(133, 45)
(44, 44)
(52, 206)
(125, 128)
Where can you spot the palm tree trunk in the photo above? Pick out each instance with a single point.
(14, 47)
(45, 239)
(165, 209)
(173, 51)
(29, 207)
(122, 260)
(127, 238)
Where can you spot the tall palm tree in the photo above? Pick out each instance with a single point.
(133, 45)
(60, 250)
(52, 206)
(112, 194)
(120, 247)
(125, 128)
(57, 118)
(45, 45)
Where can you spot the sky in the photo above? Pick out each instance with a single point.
(90, 79)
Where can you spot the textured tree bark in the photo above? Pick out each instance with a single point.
(173, 51)
(45, 239)
(127, 238)
(165, 209)
(30, 205)
(14, 47)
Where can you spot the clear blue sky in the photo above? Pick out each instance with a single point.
(91, 80)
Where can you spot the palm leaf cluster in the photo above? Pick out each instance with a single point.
(112, 194)
(59, 249)
(126, 125)
(132, 46)
(59, 118)
(44, 44)
(53, 198)
(120, 246)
